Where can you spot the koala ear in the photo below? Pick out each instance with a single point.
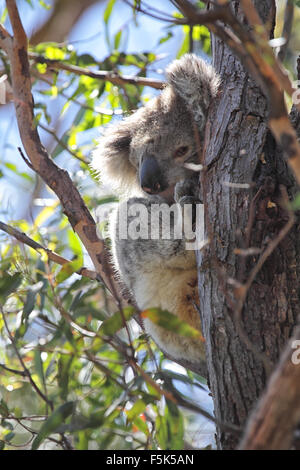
(111, 157)
(196, 82)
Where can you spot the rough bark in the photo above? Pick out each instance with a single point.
(240, 149)
(278, 412)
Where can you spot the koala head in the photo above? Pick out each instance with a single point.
(150, 149)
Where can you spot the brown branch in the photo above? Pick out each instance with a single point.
(56, 178)
(111, 77)
(196, 16)
(14, 371)
(23, 238)
(64, 14)
(287, 28)
(277, 414)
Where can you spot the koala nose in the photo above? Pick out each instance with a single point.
(151, 178)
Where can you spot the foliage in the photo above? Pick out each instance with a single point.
(71, 374)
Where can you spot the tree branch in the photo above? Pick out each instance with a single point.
(111, 77)
(277, 414)
(56, 178)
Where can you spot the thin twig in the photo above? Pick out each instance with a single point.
(63, 145)
(287, 28)
(14, 371)
(23, 238)
(111, 77)
(26, 371)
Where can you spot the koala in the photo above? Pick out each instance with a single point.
(147, 158)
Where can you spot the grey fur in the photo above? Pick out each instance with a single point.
(160, 128)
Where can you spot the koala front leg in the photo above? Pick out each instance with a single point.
(187, 191)
(138, 243)
(160, 273)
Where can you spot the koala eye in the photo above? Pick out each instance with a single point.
(181, 151)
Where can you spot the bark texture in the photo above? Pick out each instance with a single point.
(241, 150)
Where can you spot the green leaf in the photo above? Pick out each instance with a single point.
(166, 38)
(161, 431)
(180, 377)
(175, 426)
(171, 322)
(185, 45)
(4, 411)
(53, 422)
(116, 321)
(38, 365)
(86, 59)
(137, 409)
(13, 167)
(64, 364)
(54, 52)
(295, 204)
(44, 5)
(9, 284)
(202, 34)
(108, 10)
(29, 304)
(70, 268)
(3, 16)
(117, 39)
(2, 445)
(141, 425)
(170, 429)
(67, 270)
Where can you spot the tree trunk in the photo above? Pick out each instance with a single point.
(241, 150)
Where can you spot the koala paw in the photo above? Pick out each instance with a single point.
(187, 191)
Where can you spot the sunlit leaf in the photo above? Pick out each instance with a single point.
(166, 38)
(141, 425)
(171, 322)
(44, 5)
(116, 321)
(45, 213)
(108, 10)
(185, 45)
(137, 409)
(3, 16)
(117, 39)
